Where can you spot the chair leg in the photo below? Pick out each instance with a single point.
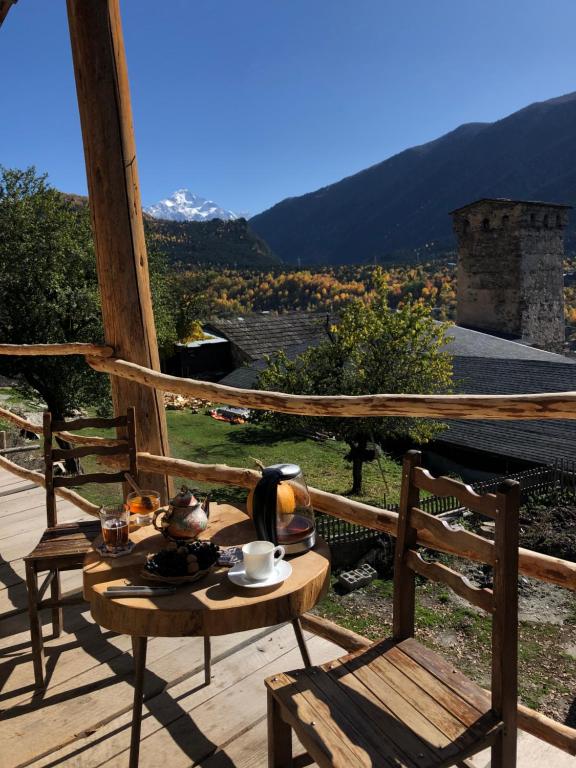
(301, 642)
(139, 651)
(35, 625)
(207, 660)
(279, 737)
(57, 617)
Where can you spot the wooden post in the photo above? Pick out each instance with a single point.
(5, 6)
(110, 153)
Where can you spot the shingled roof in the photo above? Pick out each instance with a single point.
(262, 334)
(535, 441)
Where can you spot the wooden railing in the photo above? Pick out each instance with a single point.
(533, 564)
(549, 405)
(560, 405)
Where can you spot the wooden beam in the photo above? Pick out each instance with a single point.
(345, 638)
(75, 348)
(5, 6)
(114, 194)
(18, 421)
(549, 405)
(561, 736)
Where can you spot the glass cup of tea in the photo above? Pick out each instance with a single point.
(115, 526)
(143, 506)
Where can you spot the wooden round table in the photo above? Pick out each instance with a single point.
(211, 606)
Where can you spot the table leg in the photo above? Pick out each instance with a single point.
(301, 642)
(207, 660)
(139, 649)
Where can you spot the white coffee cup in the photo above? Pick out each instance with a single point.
(260, 559)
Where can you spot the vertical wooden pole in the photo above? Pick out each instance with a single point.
(110, 153)
(404, 601)
(5, 6)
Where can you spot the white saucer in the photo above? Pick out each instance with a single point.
(237, 575)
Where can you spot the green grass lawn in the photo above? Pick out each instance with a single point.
(198, 437)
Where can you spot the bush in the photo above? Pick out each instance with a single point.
(548, 525)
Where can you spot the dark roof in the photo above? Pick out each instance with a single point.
(492, 376)
(507, 201)
(468, 343)
(537, 441)
(262, 334)
(244, 377)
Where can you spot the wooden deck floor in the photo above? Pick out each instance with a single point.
(83, 718)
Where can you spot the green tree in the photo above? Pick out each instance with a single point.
(373, 349)
(49, 290)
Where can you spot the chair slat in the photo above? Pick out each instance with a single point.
(446, 486)
(481, 598)
(60, 454)
(97, 477)
(465, 542)
(95, 423)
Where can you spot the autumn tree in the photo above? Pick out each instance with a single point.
(372, 349)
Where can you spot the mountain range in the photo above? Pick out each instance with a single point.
(184, 205)
(400, 206)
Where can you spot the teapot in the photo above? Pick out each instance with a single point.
(185, 517)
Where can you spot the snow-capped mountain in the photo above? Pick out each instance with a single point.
(186, 206)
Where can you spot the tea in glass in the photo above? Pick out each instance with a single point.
(143, 506)
(114, 521)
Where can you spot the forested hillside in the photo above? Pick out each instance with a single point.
(209, 243)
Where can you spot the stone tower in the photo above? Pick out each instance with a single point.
(510, 270)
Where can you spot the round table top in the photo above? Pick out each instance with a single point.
(211, 606)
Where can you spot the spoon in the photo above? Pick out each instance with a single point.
(146, 500)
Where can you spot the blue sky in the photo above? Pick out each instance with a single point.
(251, 102)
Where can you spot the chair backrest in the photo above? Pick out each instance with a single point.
(501, 602)
(124, 445)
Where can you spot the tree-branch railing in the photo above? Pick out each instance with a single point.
(72, 348)
(548, 405)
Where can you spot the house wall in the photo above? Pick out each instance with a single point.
(510, 270)
(208, 362)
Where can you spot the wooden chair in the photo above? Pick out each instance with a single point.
(398, 703)
(63, 546)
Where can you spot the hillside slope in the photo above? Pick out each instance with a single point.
(403, 202)
(209, 243)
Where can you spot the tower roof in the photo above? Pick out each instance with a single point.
(507, 201)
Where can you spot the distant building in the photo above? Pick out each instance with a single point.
(234, 342)
(510, 270)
